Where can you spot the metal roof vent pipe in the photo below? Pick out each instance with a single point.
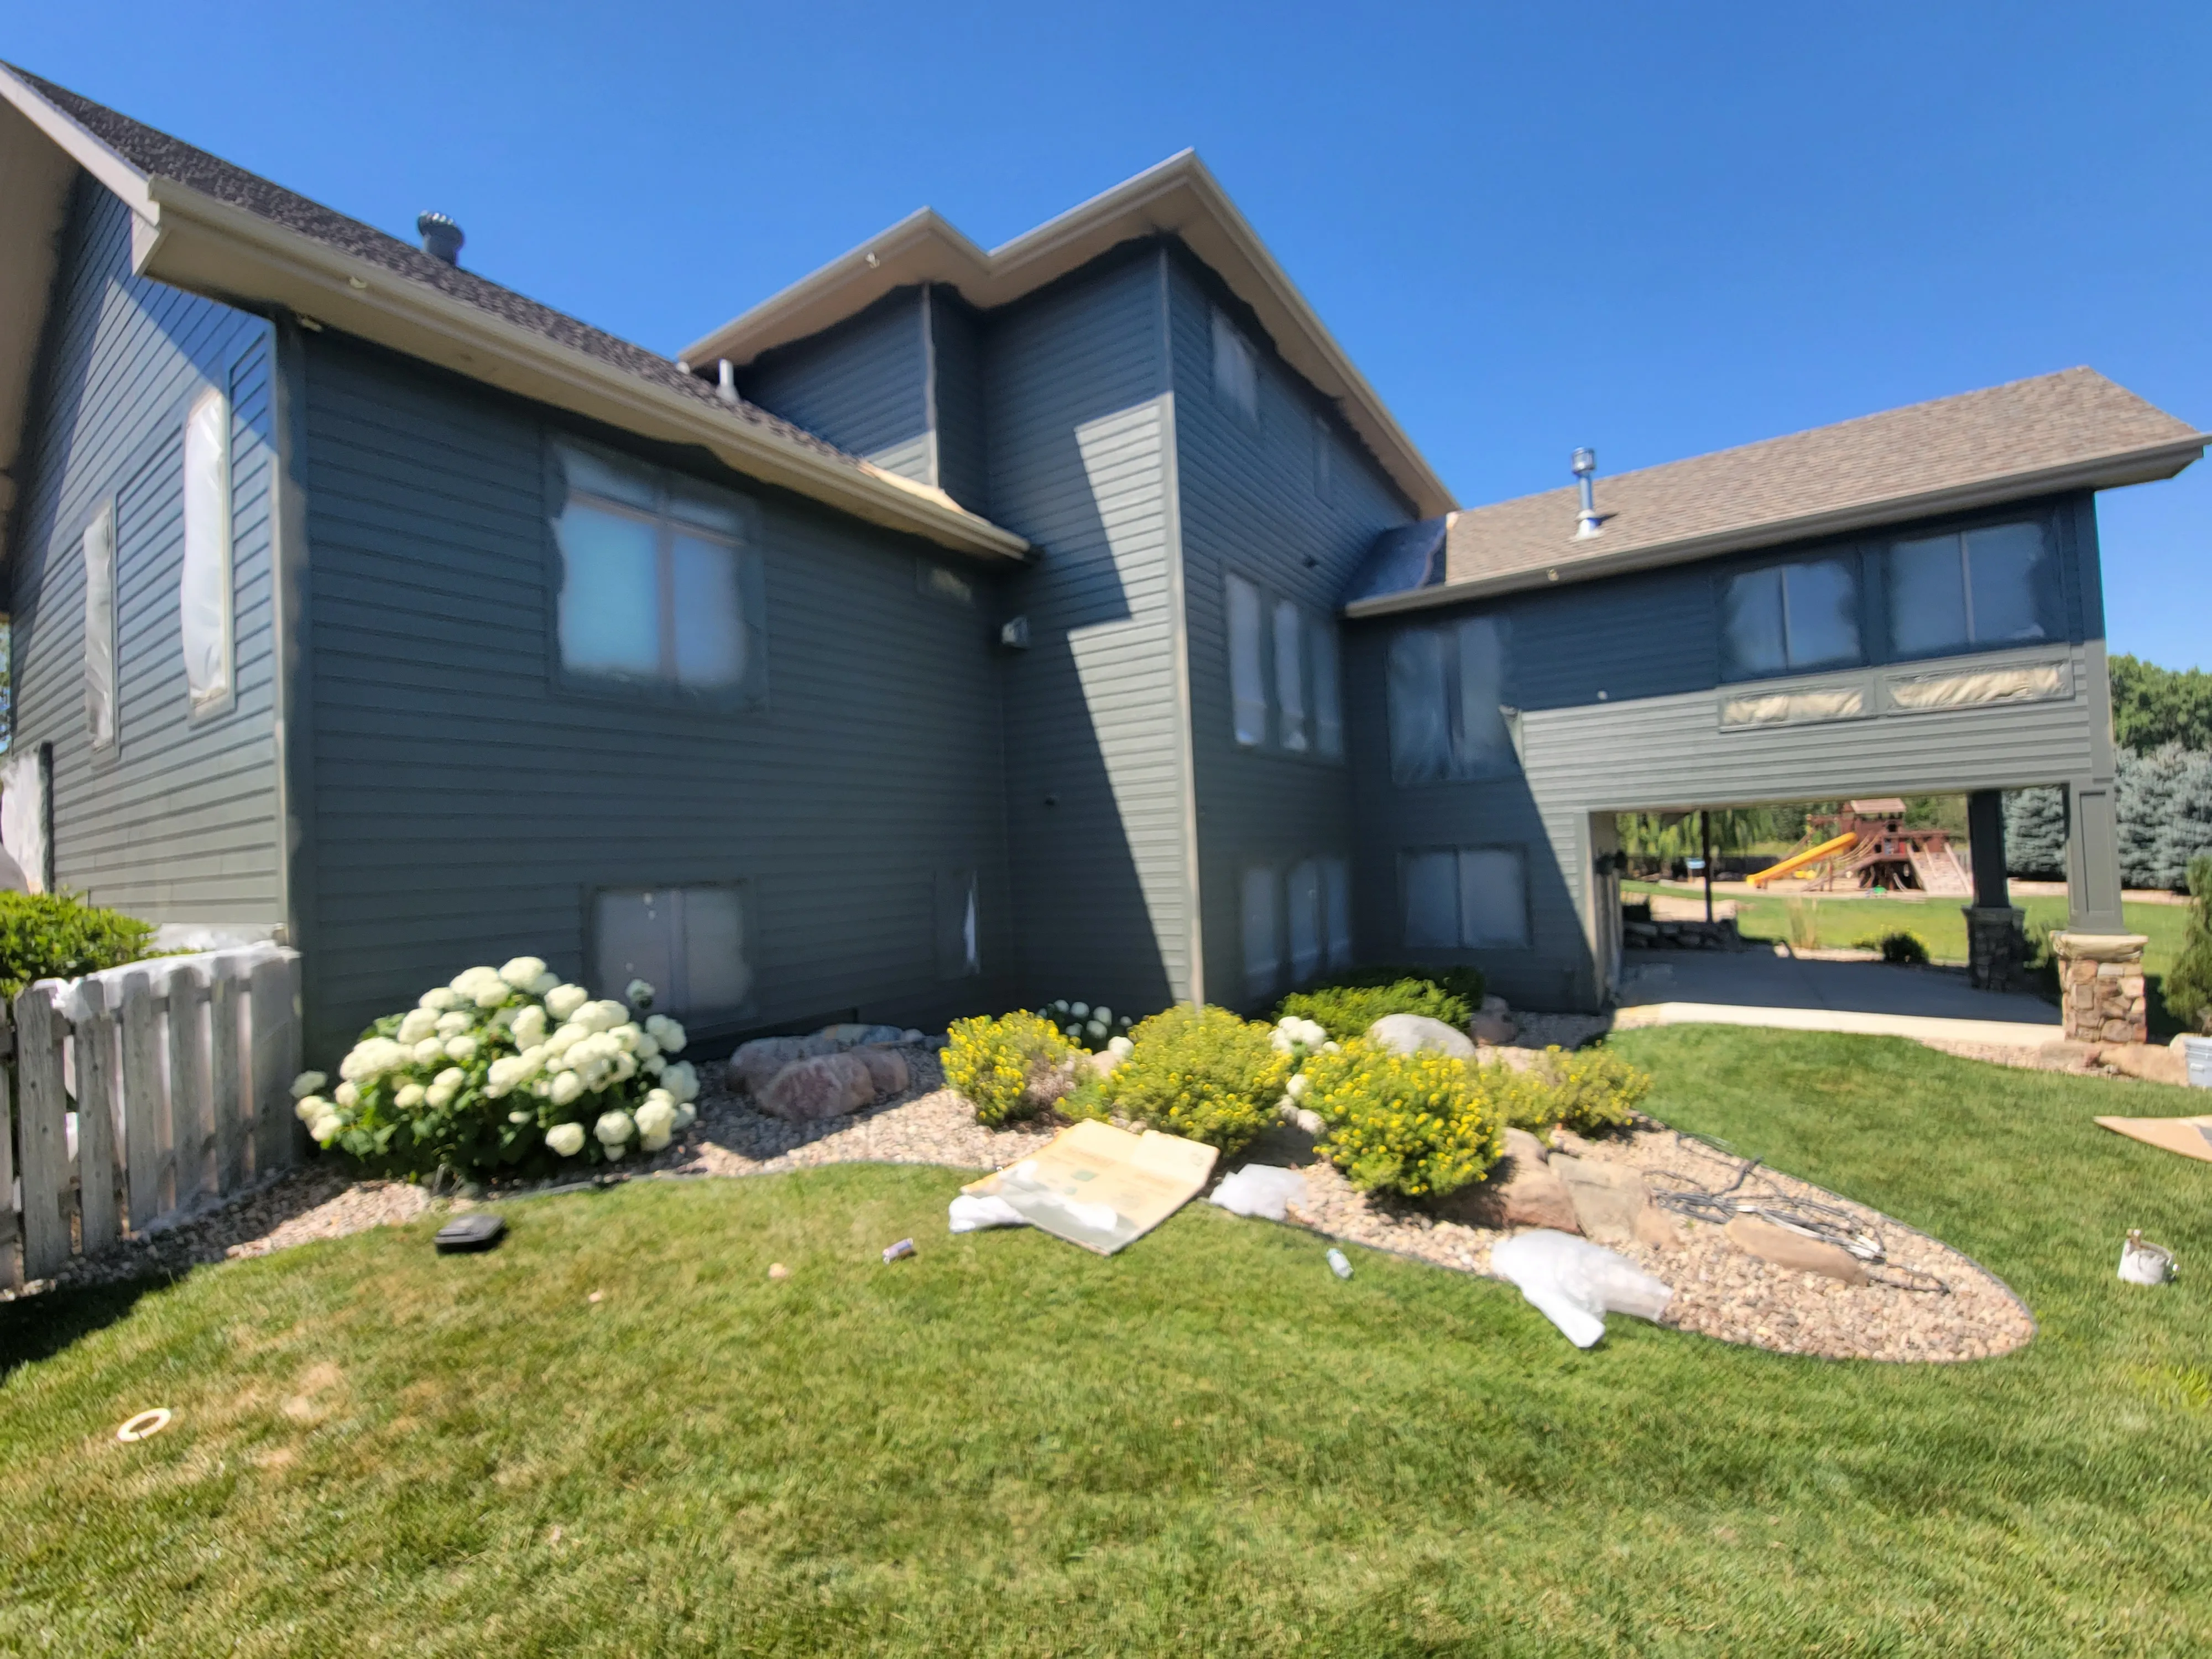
(725, 384)
(1585, 466)
(442, 237)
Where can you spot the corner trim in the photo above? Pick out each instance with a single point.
(1179, 623)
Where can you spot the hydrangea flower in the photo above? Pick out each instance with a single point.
(521, 972)
(326, 1129)
(566, 1139)
(681, 1081)
(667, 1033)
(440, 999)
(656, 1121)
(310, 1107)
(418, 1025)
(562, 1000)
(463, 1048)
(566, 1089)
(1080, 1009)
(307, 1083)
(428, 1052)
(613, 1128)
(529, 1027)
(409, 1097)
(638, 993)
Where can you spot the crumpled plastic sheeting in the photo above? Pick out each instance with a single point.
(969, 1215)
(1575, 1284)
(1261, 1189)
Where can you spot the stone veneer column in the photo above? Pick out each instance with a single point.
(1997, 946)
(2101, 976)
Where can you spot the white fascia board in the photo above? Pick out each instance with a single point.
(1178, 197)
(2103, 473)
(211, 248)
(86, 151)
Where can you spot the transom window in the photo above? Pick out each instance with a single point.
(1791, 618)
(657, 586)
(1449, 718)
(1972, 589)
(1285, 679)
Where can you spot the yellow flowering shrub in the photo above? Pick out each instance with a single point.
(1423, 1124)
(1587, 1090)
(1010, 1066)
(1202, 1073)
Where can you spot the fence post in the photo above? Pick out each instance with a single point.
(223, 1069)
(96, 1120)
(270, 992)
(45, 1137)
(191, 1112)
(145, 1109)
(11, 1276)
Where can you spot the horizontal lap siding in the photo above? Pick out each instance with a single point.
(177, 823)
(1649, 645)
(466, 807)
(860, 385)
(963, 463)
(1249, 504)
(1078, 435)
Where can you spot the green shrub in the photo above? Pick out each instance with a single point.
(2188, 987)
(1013, 1066)
(1586, 1090)
(58, 936)
(1202, 1073)
(1899, 947)
(1346, 1010)
(1422, 1124)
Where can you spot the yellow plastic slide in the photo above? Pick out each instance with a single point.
(1842, 843)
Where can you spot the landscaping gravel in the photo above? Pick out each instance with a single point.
(1719, 1289)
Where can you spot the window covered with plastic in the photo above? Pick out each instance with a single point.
(659, 587)
(1791, 618)
(688, 943)
(204, 581)
(1972, 591)
(1446, 689)
(98, 547)
(1236, 370)
(1469, 898)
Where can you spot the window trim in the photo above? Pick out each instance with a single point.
(751, 692)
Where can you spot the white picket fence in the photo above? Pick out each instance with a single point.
(141, 1095)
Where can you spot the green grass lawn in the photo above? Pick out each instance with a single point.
(1206, 1445)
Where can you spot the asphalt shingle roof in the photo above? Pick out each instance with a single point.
(157, 153)
(2019, 429)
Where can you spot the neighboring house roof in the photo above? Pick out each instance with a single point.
(213, 228)
(2073, 430)
(1179, 198)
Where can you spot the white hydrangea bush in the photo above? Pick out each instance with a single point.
(506, 1071)
(1087, 1026)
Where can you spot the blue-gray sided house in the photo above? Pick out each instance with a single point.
(954, 630)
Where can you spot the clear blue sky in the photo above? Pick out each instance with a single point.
(1659, 230)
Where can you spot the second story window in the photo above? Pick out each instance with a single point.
(659, 589)
(1970, 592)
(1235, 371)
(1791, 618)
(1449, 719)
(1284, 679)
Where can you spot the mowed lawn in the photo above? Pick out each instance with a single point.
(1207, 1444)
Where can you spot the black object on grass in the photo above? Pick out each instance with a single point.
(478, 1231)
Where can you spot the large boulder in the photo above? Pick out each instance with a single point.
(887, 1070)
(1414, 1034)
(1793, 1250)
(851, 1035)
(756, 1062)
(1608, 1198)
(1495, 1031)
(819, 1086)
(1521, 1192)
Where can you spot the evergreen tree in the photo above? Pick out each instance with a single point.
(2035, 834)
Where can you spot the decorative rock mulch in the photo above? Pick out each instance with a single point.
(1719, 1289)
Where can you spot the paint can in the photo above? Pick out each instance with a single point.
(2143, 1262)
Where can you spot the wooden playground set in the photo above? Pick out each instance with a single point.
(1868, 846)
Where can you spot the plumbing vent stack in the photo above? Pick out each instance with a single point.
(442, 237)
(726, 387)
(1585, 466)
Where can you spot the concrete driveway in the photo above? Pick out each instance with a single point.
(1759, 988)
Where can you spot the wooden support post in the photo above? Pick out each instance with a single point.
(269, 994)
(42, 1103)
(11, 1276)
(223, 1071)
(97, 1220)
(145, 1104)
(191, 1108)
